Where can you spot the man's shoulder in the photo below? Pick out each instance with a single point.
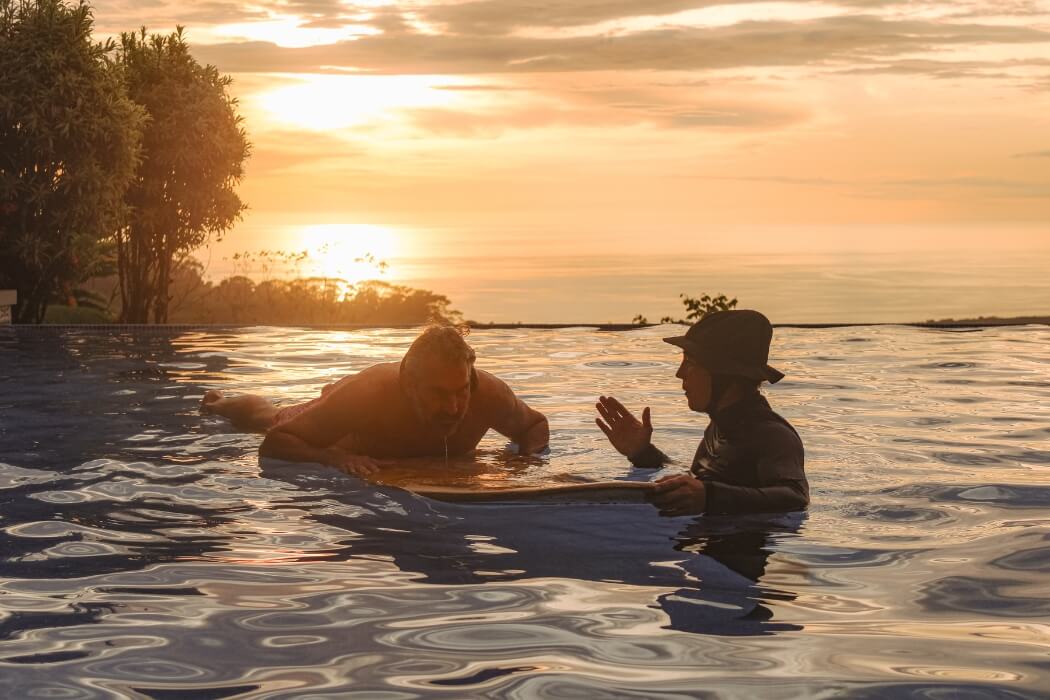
(374, 380)
(493, 398)
(380, 371)
(490, 388)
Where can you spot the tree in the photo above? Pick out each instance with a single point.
(699, 308)
(194, 149)
(696, 309)
(69, 144)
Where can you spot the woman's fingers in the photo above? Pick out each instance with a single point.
(614, 408)
(674, 495)
(605, 429)
(670, 483)
(608, 410)
(619, 409)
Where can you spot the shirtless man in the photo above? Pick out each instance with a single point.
(432, 403)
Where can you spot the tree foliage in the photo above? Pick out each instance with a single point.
(287, 300)
(194, 149)
(696, 309)
(69, 144)
(300, 301)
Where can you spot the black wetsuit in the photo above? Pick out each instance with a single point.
(751, 460)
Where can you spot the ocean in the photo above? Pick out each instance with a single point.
(817, 288)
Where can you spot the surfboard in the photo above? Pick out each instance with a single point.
(588, 492)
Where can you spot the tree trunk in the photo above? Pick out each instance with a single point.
(135, 278)
(160, 291)
(29, 309)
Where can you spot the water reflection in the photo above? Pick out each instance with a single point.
(729, 559)
(714, 564)
(146, 552)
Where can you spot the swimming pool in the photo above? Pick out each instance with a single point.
(147, 554)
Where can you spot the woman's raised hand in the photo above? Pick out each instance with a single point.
(626, 433)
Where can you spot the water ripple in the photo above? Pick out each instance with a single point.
(146, 552)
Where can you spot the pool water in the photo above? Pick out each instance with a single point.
(146, 553)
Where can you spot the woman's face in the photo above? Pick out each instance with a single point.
(696, 383)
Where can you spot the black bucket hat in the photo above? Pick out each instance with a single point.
(731, 342)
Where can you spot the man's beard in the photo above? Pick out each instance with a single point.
(433, 421)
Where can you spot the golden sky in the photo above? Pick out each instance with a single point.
(561, 127)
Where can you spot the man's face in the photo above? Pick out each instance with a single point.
(440, 394)
(696, 383)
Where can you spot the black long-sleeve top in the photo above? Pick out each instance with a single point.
(751, 460)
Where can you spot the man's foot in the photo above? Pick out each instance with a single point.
(210, 398)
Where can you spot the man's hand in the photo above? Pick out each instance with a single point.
(679, 495)
(356, 465)
(625, 432)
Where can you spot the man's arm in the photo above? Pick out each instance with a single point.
(280, 443)
(512, 417)
(312, 436)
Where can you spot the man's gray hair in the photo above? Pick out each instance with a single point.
(442, 343)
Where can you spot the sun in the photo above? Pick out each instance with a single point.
(350, 252)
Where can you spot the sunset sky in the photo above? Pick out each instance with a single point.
(525, 127)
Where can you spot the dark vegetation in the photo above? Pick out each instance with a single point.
(117, 162)
(193, 153)
(993, 321)
(70, 143)
(243, 299)
(696, 309)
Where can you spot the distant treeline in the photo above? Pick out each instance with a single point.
(238, 299)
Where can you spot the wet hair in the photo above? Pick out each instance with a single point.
(443, 343)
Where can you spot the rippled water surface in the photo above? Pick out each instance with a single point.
(147, 554)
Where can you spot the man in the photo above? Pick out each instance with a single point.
(432, 403)
(751, 459)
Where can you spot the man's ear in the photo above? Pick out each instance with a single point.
(473, 379)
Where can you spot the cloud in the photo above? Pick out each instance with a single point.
(502, 16)
(950, 188)
(747, 44)
(480, 87)
(718, 115)
(1033, 154)
(126, 15)
(505, 16)
(944, 70)
(998, 8)
(286, 152)
(953, 187)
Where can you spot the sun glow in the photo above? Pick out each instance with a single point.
(326, 102)
(290, 32)
(350, 252)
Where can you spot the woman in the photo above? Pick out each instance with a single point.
(751, 459)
